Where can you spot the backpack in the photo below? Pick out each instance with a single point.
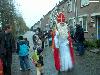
(35, 56)
(23, 50)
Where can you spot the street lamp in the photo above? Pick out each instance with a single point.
(76, 12)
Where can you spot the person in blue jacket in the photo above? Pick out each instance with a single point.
(23, 52)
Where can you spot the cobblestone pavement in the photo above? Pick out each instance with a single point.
(15, 60)
(16, 67)
(49, 68)
(89, 64)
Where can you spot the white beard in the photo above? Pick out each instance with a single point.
(63, 30)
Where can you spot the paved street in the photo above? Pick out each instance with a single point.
(89, 64)
(47, 19)
(15, 60)
(49, 68)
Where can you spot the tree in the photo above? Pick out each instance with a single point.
(8, 15)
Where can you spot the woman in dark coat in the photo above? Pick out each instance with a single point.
(79, 39)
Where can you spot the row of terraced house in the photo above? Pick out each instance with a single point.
(85, 12)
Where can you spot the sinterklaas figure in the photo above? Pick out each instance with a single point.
(63, 48)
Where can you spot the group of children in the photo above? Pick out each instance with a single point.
(23, 52)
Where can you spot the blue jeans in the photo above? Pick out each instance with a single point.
(24, 62)
(80, 48)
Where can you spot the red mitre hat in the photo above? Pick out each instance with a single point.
(61, 18)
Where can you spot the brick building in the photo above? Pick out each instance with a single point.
(82, 11)
(87, 14)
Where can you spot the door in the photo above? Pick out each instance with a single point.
(98, 22)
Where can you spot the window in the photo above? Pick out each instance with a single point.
(71, 25)
(72, 22)
(83, 22)
(84, 3)
(69, 5)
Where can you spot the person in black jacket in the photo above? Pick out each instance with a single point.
(34, 40)
(41, 36)
(79, 39)
(50, 37)
(7, 46)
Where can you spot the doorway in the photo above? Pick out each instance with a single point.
(98, 27)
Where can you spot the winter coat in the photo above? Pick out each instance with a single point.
(79, 34)
(25, 50)
(7, 43)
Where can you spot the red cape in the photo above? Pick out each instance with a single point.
(56, 52)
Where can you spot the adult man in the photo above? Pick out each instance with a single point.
(50, 37)
(41, 36)
(63, 55)
(7, 46)
(34, 40)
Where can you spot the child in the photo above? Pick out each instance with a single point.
(23, 49)
(39, 64)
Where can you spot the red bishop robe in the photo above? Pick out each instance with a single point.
(71, 47)
(61, 19)
(56, 53)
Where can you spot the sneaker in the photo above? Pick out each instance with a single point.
(20, 69)
(41, 73)
(77, 54)
(28, 69)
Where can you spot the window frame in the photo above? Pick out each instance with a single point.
(69, 6)
(81, 19)
(73, 21)
(84, 3)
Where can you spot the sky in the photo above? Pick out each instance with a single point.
(33, 10)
